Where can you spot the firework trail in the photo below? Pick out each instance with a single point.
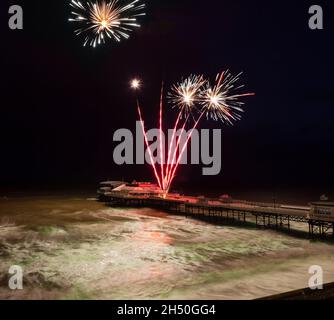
(160, 131)
(148, 147)
(219, 102)
(170, 147)
(100, 20)
(184, 96)
(173, 170)
(172, 162)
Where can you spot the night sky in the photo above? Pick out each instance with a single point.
(61, 102)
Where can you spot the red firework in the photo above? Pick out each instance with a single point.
(194, 97)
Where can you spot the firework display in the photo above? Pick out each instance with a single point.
(100, 20)
(194, 97)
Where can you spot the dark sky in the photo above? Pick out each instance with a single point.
(61, 103)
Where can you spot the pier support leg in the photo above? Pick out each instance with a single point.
(312, 229)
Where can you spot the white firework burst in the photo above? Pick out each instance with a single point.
(100, 20)
(221, 101)
(185, 95)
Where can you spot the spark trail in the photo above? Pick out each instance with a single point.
(194, 97)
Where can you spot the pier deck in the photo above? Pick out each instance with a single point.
(262, 215)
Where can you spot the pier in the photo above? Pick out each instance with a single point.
(261, 215)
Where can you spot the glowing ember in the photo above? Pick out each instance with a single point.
(135, 84)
